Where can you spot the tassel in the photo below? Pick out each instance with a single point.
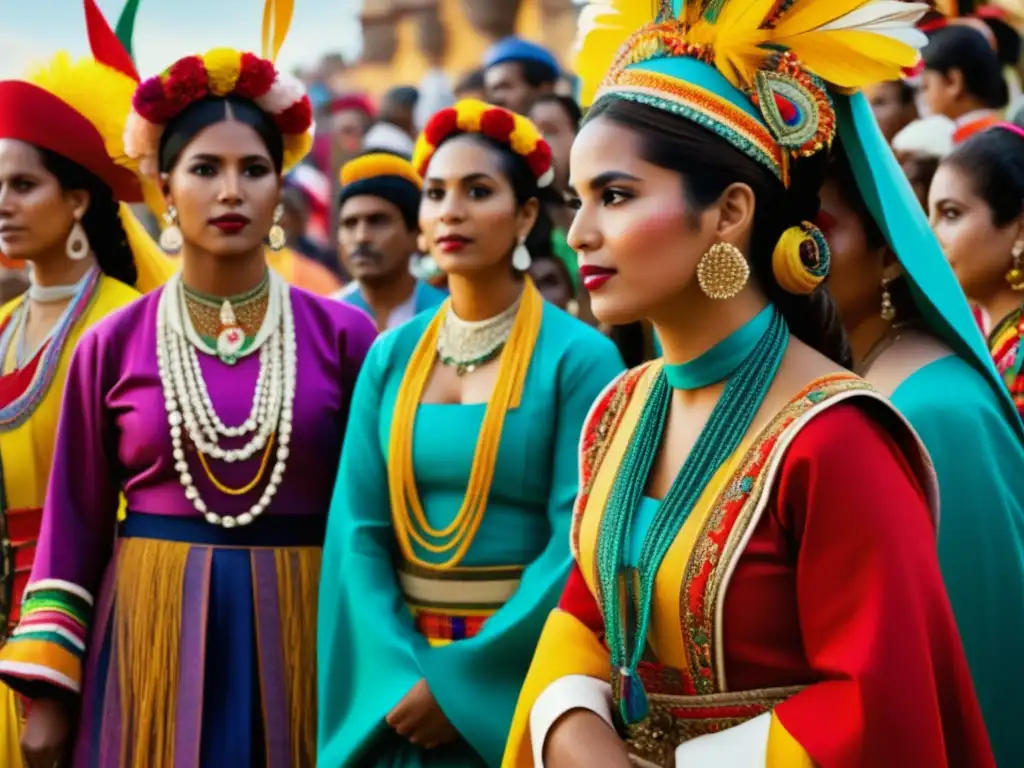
(633, 704)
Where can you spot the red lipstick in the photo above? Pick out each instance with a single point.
(231, 223)
(452, 243)
(595, 277)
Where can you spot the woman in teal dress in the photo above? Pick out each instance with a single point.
(448, 536)
(913, 337)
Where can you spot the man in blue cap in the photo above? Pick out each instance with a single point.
(517, 73)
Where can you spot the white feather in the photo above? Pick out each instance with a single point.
(871, 14)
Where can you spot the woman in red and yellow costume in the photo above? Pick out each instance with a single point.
(65, 183)
(756, 580)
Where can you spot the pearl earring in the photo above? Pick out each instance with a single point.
(171, 239)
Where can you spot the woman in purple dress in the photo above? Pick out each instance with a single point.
(185, 636)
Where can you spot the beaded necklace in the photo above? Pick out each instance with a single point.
(410, 521)
(747, 384)
(227, 326)
(21, 408)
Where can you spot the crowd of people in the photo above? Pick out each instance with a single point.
(664, 413)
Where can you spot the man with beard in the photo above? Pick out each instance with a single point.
(377, 232)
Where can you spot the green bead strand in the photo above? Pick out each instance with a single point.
(730, 420)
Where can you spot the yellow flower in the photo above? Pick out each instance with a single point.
(470, 113)
(524, 138)
(223, 66)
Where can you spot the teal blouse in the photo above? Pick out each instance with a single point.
(979, 461)
(370, 653)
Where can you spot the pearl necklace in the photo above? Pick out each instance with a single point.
(190, 410)
(467, 345)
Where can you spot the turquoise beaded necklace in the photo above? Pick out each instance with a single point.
(748, 361)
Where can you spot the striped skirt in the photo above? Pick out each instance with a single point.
(203, 649)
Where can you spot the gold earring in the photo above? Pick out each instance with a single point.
(888, 308)
(277, 236)
(1015, 277)
(722, 272)
(171, 239)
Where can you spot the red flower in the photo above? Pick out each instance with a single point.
(297, 118)
(256, 78)
(540, 159)
(498, 124)
(441, 126)
(186, 83)
(150, 101)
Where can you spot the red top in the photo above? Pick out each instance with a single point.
(836, 592)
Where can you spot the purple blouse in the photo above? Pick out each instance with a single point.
(113, 435)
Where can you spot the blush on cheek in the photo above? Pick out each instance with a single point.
(648, 236)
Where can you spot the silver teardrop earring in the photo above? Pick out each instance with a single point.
(277, 235)
(77, 246)
(170, 238)
(521, 259)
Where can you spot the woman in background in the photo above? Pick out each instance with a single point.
(963, 80)
(62, 184)
(913, 337)
(447, 543)
(756, 580)
(976, 208)
(187, 632)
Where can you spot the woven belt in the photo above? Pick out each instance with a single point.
(458, 590)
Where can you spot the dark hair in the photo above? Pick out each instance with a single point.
(966, 50)
(1008, 40)
(840, 173)
(994, 161)
(101, 221)
(536, 73)
(907, 93)
(567, 103)
(635, 342)
(708, 165)
(403, 96)
(473, 81)
(210, 111)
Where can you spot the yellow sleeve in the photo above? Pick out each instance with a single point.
(783, 750)
(566, 647)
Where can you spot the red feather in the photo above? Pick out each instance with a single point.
(106, 48)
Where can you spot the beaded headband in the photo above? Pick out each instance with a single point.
(755, 72)
(220, 72)
(472, 116)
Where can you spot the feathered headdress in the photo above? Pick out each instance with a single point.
(757, 72)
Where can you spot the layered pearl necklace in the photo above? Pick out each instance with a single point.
(190, 410)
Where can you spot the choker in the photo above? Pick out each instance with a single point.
(723, 359)
(52, 294)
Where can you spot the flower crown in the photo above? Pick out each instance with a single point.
(220, 72)
(472, 116)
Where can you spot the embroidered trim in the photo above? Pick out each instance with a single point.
(716, 545)
(600, 425)
(703, 107)
(674, 720)
(22, 407)
(49, 642)
(442, 626)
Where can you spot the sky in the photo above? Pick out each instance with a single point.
(166, 30)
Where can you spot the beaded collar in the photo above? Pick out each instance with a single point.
(18, 411)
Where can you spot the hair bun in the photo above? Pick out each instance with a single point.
(801, 259)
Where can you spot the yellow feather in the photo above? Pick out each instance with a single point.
(102, 96)
(604, 27)
(852, 59)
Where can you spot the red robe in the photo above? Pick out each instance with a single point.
(837, 591)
